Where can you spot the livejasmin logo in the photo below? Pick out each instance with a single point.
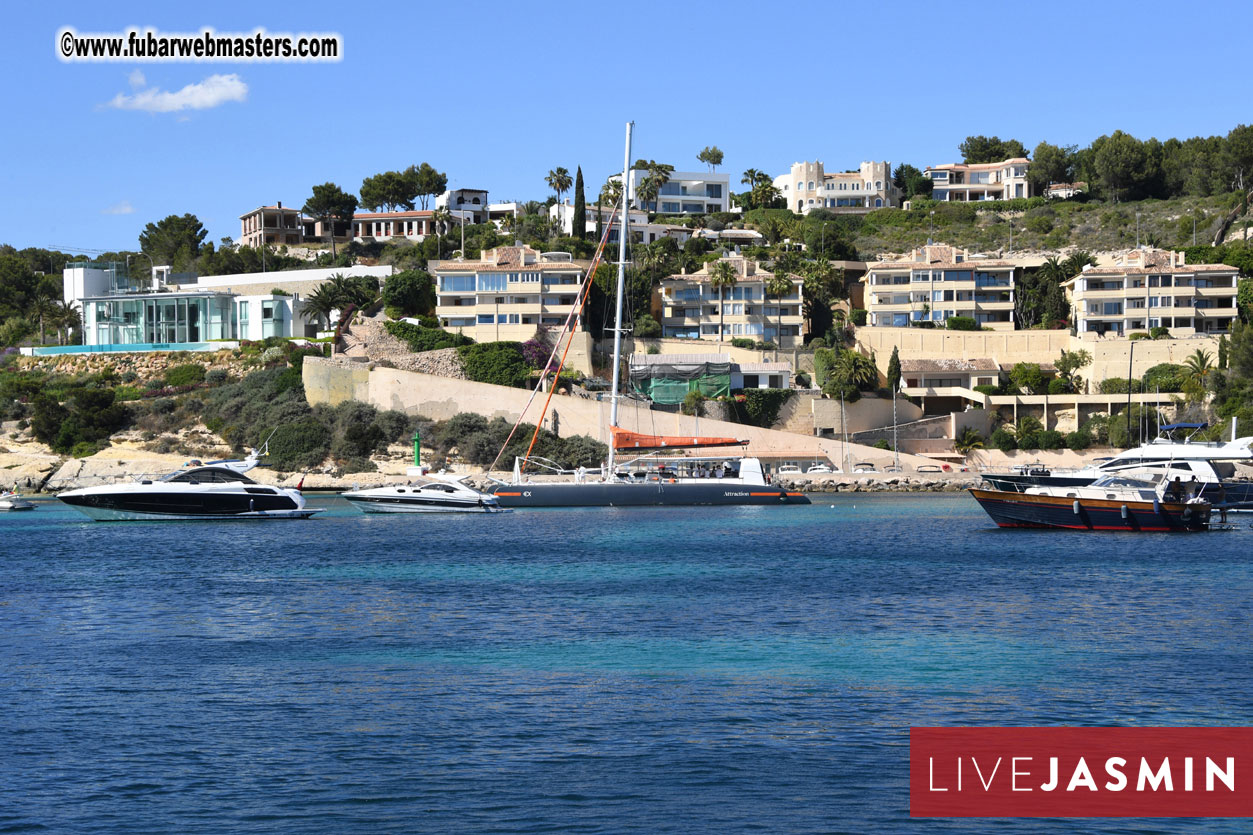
(1081, 772)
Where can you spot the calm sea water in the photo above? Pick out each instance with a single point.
(592, 670)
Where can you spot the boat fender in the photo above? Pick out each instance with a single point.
(1076, 507)
(1187, 513)
(1124, 511)
(672, 481)
(1157, 506)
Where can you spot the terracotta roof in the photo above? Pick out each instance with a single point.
(948, 364)
(1184, 269)
(391, 215)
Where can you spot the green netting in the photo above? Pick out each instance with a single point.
(670, 391)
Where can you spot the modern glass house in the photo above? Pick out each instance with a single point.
(121, 313)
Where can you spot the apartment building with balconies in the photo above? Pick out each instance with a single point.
(967, 182)
(936, 282)
(688, 306)
(810, 186)
(508, 293)
(1150, 288)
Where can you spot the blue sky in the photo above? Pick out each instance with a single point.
(496, 94)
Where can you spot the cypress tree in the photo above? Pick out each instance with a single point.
(894, 369)
(580, 206)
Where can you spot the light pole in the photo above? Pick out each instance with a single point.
(896, 447)
(824, 239)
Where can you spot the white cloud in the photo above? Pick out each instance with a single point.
(137, 80)
(214, 90)
(123, 208)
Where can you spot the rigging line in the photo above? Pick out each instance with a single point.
(571, 317)
(553, 388)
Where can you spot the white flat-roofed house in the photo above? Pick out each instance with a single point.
(470, 203)
(685, 193)
(1150, 288)
(968, 182)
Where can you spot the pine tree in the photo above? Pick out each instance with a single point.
(579, 229)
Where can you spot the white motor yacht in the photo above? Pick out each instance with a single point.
(441, 495)
(217, 490)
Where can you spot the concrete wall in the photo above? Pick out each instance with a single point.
(1109, 356)
(333, 380)
(867, 413)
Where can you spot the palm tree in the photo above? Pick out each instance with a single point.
(320, 303)
(854, 369)
(45, 308)
(651, 259)
(559, 181)
(441, 220)
(721, 276)
(611, 192)
(779, 285)
(66, 318)
(750, 179)
(968, 441)
(1199, 366)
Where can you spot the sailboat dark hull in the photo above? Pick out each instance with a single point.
(643, 494)
(1022, 510)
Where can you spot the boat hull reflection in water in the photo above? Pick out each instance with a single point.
(643, 494)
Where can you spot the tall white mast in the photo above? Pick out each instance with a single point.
(617, 317)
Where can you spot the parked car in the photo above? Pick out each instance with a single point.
(929, 468)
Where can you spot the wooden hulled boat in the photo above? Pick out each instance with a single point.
(1114, 503)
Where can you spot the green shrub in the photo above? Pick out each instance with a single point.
(987, 388)
(421, 339)
(1051, 439)
(882, 443)
(1138, 335)
(858, 317)
(646, 327)
(1165, 377)
(693, 404)
(1002, 440)
(1078, 440)
(801, 379)
(185, 375)
(499, 363)
(1118, 385)
(740, 342)
(961, 323)
(817, 342)
(1159, 333)
(761, 406)
(300, 445)
(1058, 386)
(216, 376)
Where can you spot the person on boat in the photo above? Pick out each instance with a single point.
(1174, 492)
(1194, 488)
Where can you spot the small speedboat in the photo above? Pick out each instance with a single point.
(1112, 503)
(441, 495)
(12, 501)
(216, 490)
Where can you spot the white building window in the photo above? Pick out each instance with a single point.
(878, 185)
(811, 185)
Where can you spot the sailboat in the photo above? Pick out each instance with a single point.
(711, 479)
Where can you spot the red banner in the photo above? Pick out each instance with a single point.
(1080, 772)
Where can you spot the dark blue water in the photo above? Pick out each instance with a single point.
(585, 670)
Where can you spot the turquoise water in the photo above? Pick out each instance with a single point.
(711, 669)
